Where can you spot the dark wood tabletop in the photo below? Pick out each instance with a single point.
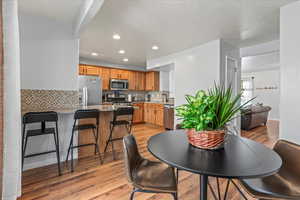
(240, 158)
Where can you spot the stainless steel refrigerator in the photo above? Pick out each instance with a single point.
(90, 90)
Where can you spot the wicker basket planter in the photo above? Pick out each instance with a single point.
(206, 139)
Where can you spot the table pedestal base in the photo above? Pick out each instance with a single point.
(203, 187)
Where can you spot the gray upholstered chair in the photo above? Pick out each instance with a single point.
(283, 185)
(145, 175)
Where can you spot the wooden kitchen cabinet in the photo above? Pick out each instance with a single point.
(91, 70)
(140, 80)
(81, 69)
(152, 81)
(132, 80)
(119, 74)
(104, 73)
(138, 114)
(154, 113)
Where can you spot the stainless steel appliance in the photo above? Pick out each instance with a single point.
(90, 90)
(118, 84)
(169, 117)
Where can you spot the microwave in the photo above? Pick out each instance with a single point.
(118, 84)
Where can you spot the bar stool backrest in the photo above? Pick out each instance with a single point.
(34, 117)
(87, 114)
(122, 112)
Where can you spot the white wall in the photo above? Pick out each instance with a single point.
(49, 54)
(12, 110)
(164, 81)
(194, 69)
(197, 68)
(290, 72)
(269, 97)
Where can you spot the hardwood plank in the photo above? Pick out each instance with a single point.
(92, 181)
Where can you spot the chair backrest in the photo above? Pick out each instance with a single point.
(289, 153)
(122, 111)
(87, 114)
(132, 156)
(34, 117)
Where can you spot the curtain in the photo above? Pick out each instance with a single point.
(12, 108)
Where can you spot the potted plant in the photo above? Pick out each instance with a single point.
(206, 115)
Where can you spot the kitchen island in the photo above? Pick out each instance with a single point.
(65, 123)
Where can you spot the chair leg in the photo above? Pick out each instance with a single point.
(239, 190)
(96, 145)
(110, 141)
(56, 140)
(132, 194)
(69, 149)
(23, 137)
(72, 154)
(25, 145)
(175, 196)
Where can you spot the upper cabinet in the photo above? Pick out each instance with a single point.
(119, 74)
(104, 73)
(92, 71)
(138, 80)
(132, 80)
(152, 81)
(82, 70)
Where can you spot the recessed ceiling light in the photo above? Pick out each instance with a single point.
(94, 54)
(125, 59)
(116, 37)
(121, 51)
(155, 47)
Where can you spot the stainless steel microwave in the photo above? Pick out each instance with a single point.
(118, 84)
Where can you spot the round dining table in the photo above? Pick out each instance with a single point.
(241, 158)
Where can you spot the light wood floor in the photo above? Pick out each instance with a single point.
(92, 181)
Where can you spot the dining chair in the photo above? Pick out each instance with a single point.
(283, 185)
(145, 175)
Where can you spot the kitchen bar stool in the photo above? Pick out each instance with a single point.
(43, 118)
(85, 114)
(120, 112)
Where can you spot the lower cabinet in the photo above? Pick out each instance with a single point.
(154, 113)
(138, 114)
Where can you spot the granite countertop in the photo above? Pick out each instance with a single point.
(101, 108)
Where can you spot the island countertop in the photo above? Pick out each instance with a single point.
(101, 108)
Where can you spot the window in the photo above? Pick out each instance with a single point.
(247, 89)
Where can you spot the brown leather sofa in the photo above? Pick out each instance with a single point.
(254, 116)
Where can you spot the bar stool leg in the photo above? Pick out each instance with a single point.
(56, 140)
(26, 139)
(110, 140)
(72, 151)
(96, 144)
(69, 149)
(23, 137)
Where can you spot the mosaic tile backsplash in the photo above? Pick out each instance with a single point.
(35, 100)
